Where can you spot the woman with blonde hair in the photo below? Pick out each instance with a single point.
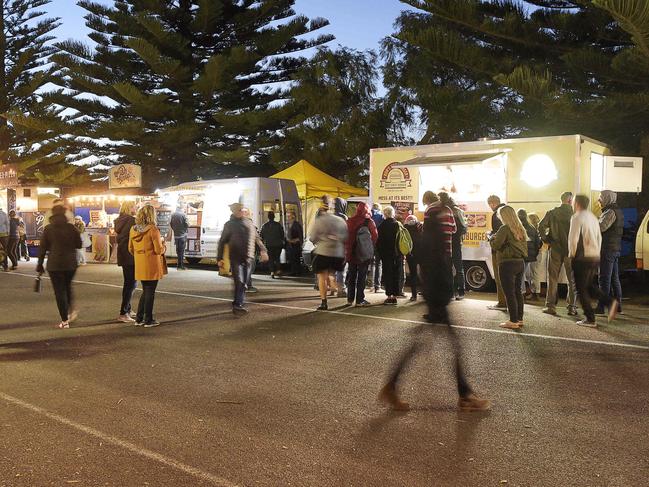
(510, 245)
(123, 224)
(147, 247)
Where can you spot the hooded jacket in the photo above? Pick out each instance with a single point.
(328, 234)
(59, 242)
(340, 208)
(554, 228)
(145, 244)
(242, 238)
(362, 217)
(123, 225)
(611, 222)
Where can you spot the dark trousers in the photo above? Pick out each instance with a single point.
(356, 277)
(274, 254)
(295, 256)
(180, 242)
(511, 278)
(391, 275)
(62, 284)
(584, 272)
(145, 306)
(413, 266)
(4, 251)
(12, 250)
(240, 276)
(23, 250)
(375, 272)
(128, 271)
(609, 277)
(459, 284)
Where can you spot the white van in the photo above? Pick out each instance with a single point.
(206, 204)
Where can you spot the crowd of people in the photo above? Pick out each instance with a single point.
(13, 240)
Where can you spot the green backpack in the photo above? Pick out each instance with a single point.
(404, 241)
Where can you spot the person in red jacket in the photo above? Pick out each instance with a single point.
(359, 246)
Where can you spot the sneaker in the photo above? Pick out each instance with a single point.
(138, 323)
(239, 310)
(586, 323)
(459, 297)
(323, 306)
(389, 396)
(132, 314)
(390, 301)
(252, 289)
(73, 315)
(151, 324)
(549, 311)
(363, 304)
(125, 319)
(510, 325)
(473, 403)
(64, 324)
(572, 311)
(612, 310)
(497, 307)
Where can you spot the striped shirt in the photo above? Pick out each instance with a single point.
(439, 227)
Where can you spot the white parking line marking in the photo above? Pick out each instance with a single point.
(384, 318)
(133, 448)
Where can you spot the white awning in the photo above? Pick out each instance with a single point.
(447, 158)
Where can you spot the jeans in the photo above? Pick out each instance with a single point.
(181, 242)
(274, 253)
(391, 275)
(145, 306)
(128, 271)
(459, 282)
(12, 250)
(609, 274)
(531, 275)
(62, 284)
(555, 261)
(341, 278)
(413, 266)
(584, 272)
(511, 276)
(240, 276)
(375, 272)
(356, 277)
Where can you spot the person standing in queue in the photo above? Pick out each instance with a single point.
(495, 204)
(391, 259)
(510, 244)
(59, 242)
(459, 281)
(180, 225)
(553, 230)
(81, 228)
(415, 229)
(240, 235)
(584, 250)
(359, 250)
(123, 224)
(23, 251)
(375, 277)
(611, 224)
(295, 242)
(14, 238)
(340, 210)
(274, 238)
(148, 249)
(4, 239)
(534, 245)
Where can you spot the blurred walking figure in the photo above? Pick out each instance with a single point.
(14, 238)
(328, 234)
(510, 244)
(359, 251)
(461, 226)
(553, 230)
(245, 212)
(375, 272)
(495, 204)
(584, 247)
(123, 224)
(4, 239)
(415, 229)
(611, 224)
(240, 235)
(340, 210)
(180, 225)
(391, 258)
(435, 262)
(274, 238)
(295, 242)
(148, 249)
(59, 242)
(534, 245)
(23, 251)
(81, 228)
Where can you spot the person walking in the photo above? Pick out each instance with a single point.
(4, 239)
(611, 224)
(14, 238)
(459, 281)
(534, 245)
(553, 230)
(242, 239)
(295, 242)
(59, 242)
(415, 229)
(436, 263)
(23, 251)
(147, 247)
(123, 224)
(584, 250)
(359, 251)
(328, 234)
(274, 238)
(510, 244)
(375, 271)
(85, 241)
(495, 204)
(391, 258)
(340, 210)
(179, 225)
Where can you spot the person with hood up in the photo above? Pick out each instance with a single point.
(611, 224)
(274, 238)
(59, 242)
(4, 239)
(359, 251)
(123, 224)
(242, 239)
(147, 247)
(340, 210)
(415, 229)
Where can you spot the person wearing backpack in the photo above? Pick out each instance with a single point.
(387, 247)
(359, 251)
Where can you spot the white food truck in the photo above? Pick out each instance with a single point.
(206, 204)
(528, 173)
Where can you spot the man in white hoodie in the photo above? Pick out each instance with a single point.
(584, 246)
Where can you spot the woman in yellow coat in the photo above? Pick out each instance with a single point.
(148, 249)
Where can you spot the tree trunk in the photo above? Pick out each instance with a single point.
(4, 89)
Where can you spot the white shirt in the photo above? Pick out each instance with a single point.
(585, 226)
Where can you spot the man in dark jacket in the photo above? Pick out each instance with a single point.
(179, 225)
(495, 204)
(611, 224)
(123, 224)
(295, 242)
(274, 238)
(553, 230)
(240, 236)
(14, 238)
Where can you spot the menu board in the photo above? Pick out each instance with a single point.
(163, 220)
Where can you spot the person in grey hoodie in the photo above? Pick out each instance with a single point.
(611, 224)
(4, 239)
(179, 225)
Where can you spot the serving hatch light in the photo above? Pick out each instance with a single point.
(539, 170)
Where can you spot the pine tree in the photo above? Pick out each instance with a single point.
(185, 88)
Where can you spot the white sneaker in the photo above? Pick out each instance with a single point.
(64, 324)
(125, 319)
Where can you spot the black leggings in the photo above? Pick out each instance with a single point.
(145, 307)
(128, 271)
(62, 284)
(274, 254)
(511, 278)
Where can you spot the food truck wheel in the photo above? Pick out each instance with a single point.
(193, 260)
(477, 276)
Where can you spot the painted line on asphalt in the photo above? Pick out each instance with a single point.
(133, 448)
(383, 318)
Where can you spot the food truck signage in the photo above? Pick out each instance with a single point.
(8, 175)
(478, 228)
(125, 176)
(395, 177)
(393, 184)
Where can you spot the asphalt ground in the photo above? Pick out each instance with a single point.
(287, 396)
